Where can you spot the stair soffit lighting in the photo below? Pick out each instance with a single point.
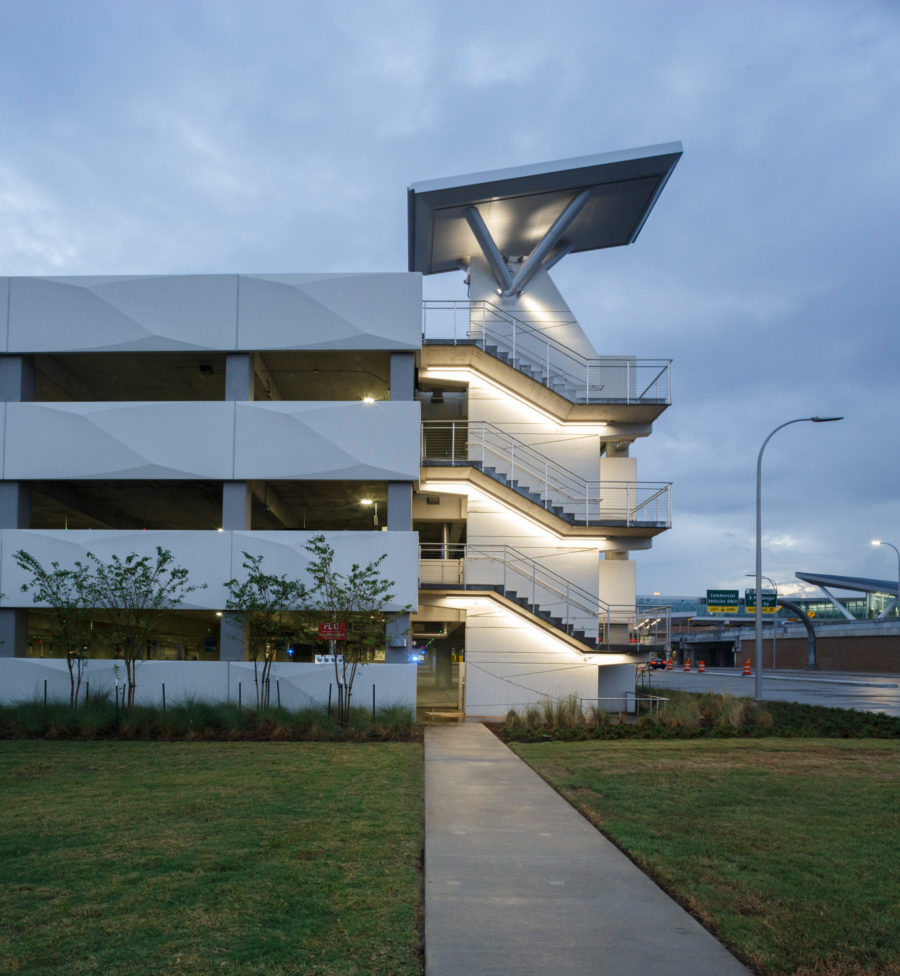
(457, 372)
(470, 491)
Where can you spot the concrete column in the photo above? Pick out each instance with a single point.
(399, 506)
(16, 386)
(443, 669)
(240, 377)
(617, 449)
(236, 504)
(397, 640)
(403, 375)
(232, 638)
(16, 379)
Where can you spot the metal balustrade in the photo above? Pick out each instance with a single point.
(606, 379)
(533, 475)
(539, 591)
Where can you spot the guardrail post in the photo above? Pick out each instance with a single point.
(547, 381)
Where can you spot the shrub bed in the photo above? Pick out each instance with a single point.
(196, 719)
(688, 715)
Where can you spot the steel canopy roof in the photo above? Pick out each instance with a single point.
(858, 583)
(520, 204)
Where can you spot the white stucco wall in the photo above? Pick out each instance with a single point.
(300, 685)
(510, 664)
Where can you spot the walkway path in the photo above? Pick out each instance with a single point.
(516, 881)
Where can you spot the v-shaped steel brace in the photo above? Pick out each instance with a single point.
(540, 257)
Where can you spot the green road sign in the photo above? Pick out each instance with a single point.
(769, 601)
(721, 601)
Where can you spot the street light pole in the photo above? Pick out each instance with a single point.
(787, 423)
(880, 542)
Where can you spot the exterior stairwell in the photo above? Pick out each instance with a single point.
(532, 353)
(537, 594)
(555, 489)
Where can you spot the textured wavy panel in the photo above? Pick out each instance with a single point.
(119, 440)
(122, 313)
(211, 557)
(335, 311)
(206, 555)
(328, 441)
(284, 552)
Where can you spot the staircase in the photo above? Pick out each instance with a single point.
(535, 591)
(612, 379)
(532, 475)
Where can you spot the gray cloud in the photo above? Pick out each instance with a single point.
(200, 136)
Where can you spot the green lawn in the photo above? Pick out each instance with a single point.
(785, 849)
(233, 858)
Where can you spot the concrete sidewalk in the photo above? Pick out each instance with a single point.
(516, 881)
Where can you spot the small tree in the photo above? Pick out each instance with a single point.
(266, 606)
(355, 599)
(134, 592)
(67, 593)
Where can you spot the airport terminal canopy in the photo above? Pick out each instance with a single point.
(540, 212)
(859, 584)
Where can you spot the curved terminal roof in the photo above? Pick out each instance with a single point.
(858, 583)
(520, 204)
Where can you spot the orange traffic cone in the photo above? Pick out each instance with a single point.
(670, 665)
(701, 667)
(687, 664)
(747, 666)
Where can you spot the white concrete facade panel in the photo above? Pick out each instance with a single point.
(212, 558)
(133, 314)
(215, 312)
(328, 441)
(212, 440)
(330, 311)
(118, 440)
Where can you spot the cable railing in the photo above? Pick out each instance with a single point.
(547, 483)
(535, 588)
(606, 379)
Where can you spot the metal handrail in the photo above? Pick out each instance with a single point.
(496, 331)
(579, 500)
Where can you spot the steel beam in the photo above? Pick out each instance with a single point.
(488, 248)
(562, 223)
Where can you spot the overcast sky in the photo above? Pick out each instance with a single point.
(273, 136)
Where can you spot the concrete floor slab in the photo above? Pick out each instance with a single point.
(517, 881)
